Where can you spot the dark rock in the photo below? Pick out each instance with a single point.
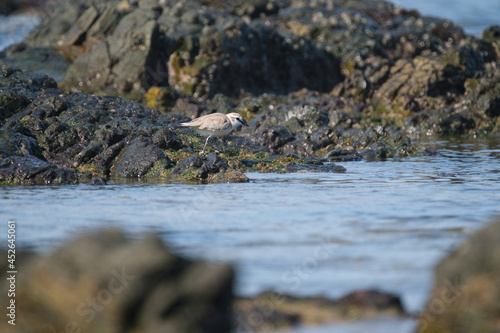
(325, 167)
(138, 158)
(195, 50)
(369, 155)
(302, 148)
(192, 162)
(167, 139)
(273, 137)
(98, 181)
(492, 36)
(87, 153)
(371, 299)
(58, 137)
(11, 103)
(31, 170)
(106, 282)
(343, 155)
(471, 59)
(207, 169)
(16, 144)
(105, 159)
(466, 287)
(213, 164)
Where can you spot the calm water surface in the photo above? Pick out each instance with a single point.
(380, 225)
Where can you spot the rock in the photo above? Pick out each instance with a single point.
(466, 287)
(207, 169)
(138, 158)
(106, 282)
(371, 299)
(492, 36)
(273, 137)
(343, 155)
(30, 170)
(167, 139)
(17, 144)
(274, 311)
(365, 80)
(323, 167)
(191, 48)
(419, 77)
(98, 181)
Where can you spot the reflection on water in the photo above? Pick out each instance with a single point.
(380, 224)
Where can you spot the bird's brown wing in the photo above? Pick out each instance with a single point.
(217, 122)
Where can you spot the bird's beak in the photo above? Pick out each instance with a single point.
(244, 123)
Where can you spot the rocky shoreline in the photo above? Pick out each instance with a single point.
(319, 82)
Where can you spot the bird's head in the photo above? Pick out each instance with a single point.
(236, 119)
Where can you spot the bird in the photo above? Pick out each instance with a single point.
(216, 125)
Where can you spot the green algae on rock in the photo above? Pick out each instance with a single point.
(64, 137)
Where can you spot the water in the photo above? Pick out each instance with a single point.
(380, 225)
(473, 15)
(14, 28)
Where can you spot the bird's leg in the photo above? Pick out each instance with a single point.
(203, 151)
(215, 149)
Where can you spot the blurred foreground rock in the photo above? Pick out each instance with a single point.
(270, 311)
(108, 283)
(466, 295)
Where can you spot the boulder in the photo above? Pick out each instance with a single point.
(207, 169)
(106, 282)
(465, 297)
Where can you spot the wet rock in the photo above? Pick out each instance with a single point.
(273, 137)
(167, 139)
(30, 170)
(343, 155)
(138, 158)
(466, 288)
(371, 299)
(274, 311)
(58, 137)
(471, 59)
(323, 167)
(98, 181)
(207, 169)
(107, 282)
(17, 144)
(302, 148)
